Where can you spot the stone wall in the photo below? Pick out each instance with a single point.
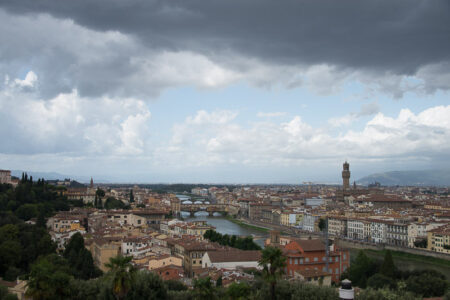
(379, 247)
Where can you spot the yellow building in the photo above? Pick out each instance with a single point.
(102, 249)
(165, 260)
(439, 239)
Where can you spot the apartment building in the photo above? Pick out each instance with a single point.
(439, 239)
(397, 234)
(306, 255)
(337, 226)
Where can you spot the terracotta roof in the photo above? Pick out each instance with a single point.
(310, 245)
(312, 273)
(234, 255)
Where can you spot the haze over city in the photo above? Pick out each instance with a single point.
(238, 91)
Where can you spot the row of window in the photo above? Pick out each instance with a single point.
(315, 259)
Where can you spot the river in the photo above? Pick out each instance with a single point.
(223, 225)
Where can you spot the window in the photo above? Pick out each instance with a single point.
(194, 261)
(337, 270)
(307, 259)
(316, 259)
(296, 261)
(337, 258)
(345, 256)
(290, 261)
(301, 261)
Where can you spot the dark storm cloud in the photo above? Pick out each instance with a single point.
(384, 35)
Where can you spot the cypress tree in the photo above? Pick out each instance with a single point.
(388, 267)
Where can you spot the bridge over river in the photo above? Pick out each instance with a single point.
(209, 208)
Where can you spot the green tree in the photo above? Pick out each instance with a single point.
(121, 272)
(131, 196)
(387, 267)
(203, 289)
(379, 281)
(49, 279)
(219, 282)
(100, 193)
(322, 224)
(80, 259)
(175, 285)
(27, 211)
(421, 243)
(238, 291)
(427, 285)
(273, 263)
(113, 203)
(147, 285)
(5, 294)
(361, 269)
(385, 294)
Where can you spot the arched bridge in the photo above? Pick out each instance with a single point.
(210, 208)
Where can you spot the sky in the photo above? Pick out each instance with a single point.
(236, 91)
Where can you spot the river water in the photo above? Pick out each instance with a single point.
(223, 225)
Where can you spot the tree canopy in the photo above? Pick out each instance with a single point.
(245, 243)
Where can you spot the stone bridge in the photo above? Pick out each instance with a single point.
(210, 208)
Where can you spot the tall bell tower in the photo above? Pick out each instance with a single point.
(346, 176)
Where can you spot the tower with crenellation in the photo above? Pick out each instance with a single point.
(346, 176)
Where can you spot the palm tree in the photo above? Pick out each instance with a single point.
(121, 271)
(273, 263)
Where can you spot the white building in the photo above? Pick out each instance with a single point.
(309, 222)
(355, 229)
(378, 231)
(231, 259)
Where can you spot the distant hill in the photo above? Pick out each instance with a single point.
(411, 178)
(55, 176)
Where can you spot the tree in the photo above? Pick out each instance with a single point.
(273, 263)
(121, 272)
(147, 285)
(322, 224)
(379, 281)
(422, 243)
(427, 285)
(388, 268)
(113, 203)
(131, 196)
(219, 281)
(100, 193)
(361, 269)
(175, 285)
(5, 294)
(49, 279)
(238, 291)
(80, 259)
(203, 289)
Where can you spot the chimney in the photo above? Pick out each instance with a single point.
(346, 290)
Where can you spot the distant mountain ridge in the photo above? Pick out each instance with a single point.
(54, 176)
(410, 178)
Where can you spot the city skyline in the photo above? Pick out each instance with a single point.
(216, 93)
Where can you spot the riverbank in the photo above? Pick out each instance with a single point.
(412, 257)
(407, 261)
(246, 225)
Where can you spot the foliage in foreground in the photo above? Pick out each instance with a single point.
(380, 278)
(246, 243)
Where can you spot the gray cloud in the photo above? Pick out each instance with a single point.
(377, 37)
(383, 35)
